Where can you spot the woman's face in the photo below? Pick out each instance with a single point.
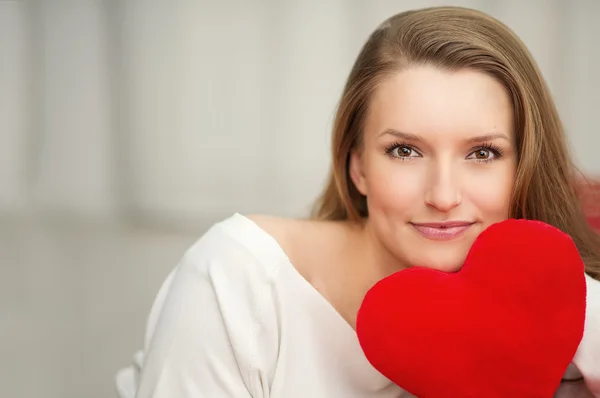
(437, 165)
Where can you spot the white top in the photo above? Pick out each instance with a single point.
(236, 319)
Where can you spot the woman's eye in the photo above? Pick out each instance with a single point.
(404, 152)
(482, 154)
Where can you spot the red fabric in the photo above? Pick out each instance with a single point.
(506, 325)
(589, 194)
(595, 222)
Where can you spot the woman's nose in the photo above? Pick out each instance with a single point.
(442, 191)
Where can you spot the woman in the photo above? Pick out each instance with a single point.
(445, 127)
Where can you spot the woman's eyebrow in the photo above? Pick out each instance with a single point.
(487, 137)
(417, 138)
(402, 135)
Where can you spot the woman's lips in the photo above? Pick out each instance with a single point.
(442, 231)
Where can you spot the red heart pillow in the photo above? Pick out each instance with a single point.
(506, 325)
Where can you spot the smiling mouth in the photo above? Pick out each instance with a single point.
(442, 231)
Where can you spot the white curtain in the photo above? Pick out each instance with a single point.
(14, 109)
(176, 113)
(188, 110)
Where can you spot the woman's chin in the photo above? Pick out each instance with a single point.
(447, 256)
(452, 263)
(449, 267)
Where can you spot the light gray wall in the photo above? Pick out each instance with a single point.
(127, 127)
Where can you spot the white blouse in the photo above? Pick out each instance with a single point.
(236, 319)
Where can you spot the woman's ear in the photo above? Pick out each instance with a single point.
(357, 171)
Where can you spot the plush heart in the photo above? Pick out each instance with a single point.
(506, 325)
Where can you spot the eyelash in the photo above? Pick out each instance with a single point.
(496, 150)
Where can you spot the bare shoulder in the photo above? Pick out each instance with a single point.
(305, 241)
(290, 231)
(278, 227)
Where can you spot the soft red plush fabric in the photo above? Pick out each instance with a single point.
(595, 222)
(589, 194)
(506, 325)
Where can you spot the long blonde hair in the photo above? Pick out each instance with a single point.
(453, 38)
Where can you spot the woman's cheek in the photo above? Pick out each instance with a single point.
(400, 187)
(491, 194)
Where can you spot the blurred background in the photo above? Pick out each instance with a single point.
(127, 127)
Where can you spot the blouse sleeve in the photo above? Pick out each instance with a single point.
(212, 331)
(587, 358)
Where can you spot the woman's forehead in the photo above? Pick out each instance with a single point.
(424, 101)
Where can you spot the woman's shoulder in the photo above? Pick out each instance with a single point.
(288, 232)
(255, 246)
(217, 301)
(238, 237)
(305, 243)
